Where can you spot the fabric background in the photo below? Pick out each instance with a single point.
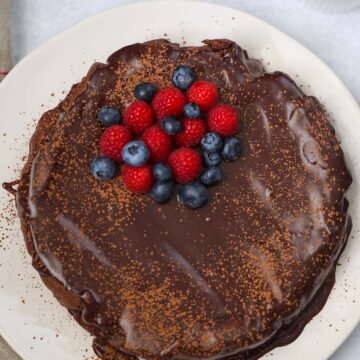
(333, 37)
(4, 37)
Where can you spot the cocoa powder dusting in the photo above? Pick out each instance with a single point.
(162, 281)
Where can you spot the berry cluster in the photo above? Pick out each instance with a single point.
(175, 135)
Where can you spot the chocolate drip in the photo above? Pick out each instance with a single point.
(9, 186)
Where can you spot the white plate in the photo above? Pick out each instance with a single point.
(31, 320)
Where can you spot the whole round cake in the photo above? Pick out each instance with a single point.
(233, 278)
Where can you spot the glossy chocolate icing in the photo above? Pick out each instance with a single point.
(238, 277)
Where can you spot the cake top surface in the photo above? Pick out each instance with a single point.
(165, 280)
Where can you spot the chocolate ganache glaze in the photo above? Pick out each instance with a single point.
(231, 280)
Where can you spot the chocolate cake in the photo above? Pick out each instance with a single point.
(233, 279)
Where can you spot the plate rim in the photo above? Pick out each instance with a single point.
(37, 51)
(90, 18)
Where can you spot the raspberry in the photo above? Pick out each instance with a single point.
(224, 120)
(186, 164)
(113, 140)
(158, 142)
(138, 116)
(203, 93)
(191, 134)
(168, 101)
(139, 180)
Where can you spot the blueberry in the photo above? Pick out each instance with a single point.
(103, 168)
(212, 176)
(162, 172)
(213, 159)
(135, 153)
(192, 110)
(171, 125)
(145, 91)
(109, 116)
(232, 149)
(183, 77)
(194, 195)
(162, 190)
(211, 143)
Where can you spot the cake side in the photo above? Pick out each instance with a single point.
(283, 264)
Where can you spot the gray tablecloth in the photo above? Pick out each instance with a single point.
(4, 37)
(89, 7)
(6, 353)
